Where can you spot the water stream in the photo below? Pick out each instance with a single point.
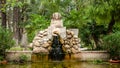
(56, 52)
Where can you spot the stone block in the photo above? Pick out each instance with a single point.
(75, 31)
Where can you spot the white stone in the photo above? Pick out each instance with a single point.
(69, 36)
(82, 49)
(30, 45)
(41, 32)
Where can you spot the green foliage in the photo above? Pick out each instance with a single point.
(18, 48)
(38, 14)
(1, 58)
(91, 32)
(6, 41)
(13, 3)
(23, 58)
(76, 14)
(35, 23)
(98, 61)
(112, 44)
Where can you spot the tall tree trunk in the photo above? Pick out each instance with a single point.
(16, 20)
(3, 14)
(9, 14)
(111, 24)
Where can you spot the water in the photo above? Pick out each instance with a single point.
(56, 52)
(58, 64)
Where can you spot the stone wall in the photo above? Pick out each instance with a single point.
(14, 55)
(94, 55)
(82, 56)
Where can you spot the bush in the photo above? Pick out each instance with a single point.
(6, 41)
(23, 58)
(1, 58)
(112, 44)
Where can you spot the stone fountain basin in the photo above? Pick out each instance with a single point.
(81, 56)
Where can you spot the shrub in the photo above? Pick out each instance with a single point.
(1, 58)
(112, 44)
(23, 58)
(6, 41)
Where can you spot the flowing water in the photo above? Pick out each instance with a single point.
(56, 52)
(58, 64)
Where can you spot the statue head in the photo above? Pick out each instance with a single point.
(56, 16)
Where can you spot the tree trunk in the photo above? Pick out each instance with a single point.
(111, 24)
(96, 40)
(16, 20)
(3, 14)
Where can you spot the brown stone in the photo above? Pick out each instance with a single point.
(68, 50)
(75, 47)
(74, 50)
(75, 31)
(45, 34)
(43, 50)
(49, 48)
(37, 38)
(67, 46)
(36, 43)
(45, 45)
(68, 32)
(74, 43)
(49, 42)
(69, 36)
(36, 50)
(41, 36)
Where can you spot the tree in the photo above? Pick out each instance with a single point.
(105, 13)
(105, 10)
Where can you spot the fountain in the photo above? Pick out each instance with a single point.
(56, 42)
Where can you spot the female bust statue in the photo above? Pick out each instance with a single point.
(56, 20)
